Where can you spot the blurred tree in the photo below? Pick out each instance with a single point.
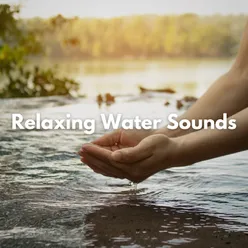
(187, 35)
(145, 36)
(17, 43)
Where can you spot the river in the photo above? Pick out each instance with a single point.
(50, 199)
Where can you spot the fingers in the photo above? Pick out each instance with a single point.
(94, 168)
(103, 167)
(80, 152)
(96, 151)
(134, 163)
(135, 172)
(109, 139)
(134, 154)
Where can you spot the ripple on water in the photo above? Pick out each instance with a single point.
(49, 198)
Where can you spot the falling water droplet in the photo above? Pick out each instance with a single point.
(134, 187)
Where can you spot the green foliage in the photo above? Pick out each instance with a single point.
(187, 35)
(17, 44)
(8, 27)
(10, 58)
(38, 82)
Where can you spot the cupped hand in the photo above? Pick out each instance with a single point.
(113, 141)
(122, 138)
(152, 154)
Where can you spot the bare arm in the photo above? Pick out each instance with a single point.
(207, 144)
(228, 94)
(158, 152)
(241, 62)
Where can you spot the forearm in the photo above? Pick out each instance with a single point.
(241, 62)
(207, 144)
(227, 95)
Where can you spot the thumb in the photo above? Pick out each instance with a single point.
(133, 154)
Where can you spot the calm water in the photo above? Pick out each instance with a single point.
(123, 77)
(50, 199)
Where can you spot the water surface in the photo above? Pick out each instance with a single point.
(50, 199)
(187, 76)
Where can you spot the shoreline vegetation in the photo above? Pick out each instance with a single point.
(17, 44)
(139, 37)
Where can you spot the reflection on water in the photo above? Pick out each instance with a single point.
(49, 199)
(186, 76)
(147, 225)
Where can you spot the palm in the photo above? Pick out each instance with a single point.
(122, 139)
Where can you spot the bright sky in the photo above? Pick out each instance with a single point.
(109, 8)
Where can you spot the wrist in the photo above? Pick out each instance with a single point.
(176, 152)
(169, 133)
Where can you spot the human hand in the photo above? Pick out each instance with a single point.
(154, 153)
(122, 138)
(113, 141)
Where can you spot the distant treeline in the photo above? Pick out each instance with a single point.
(187, 35)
